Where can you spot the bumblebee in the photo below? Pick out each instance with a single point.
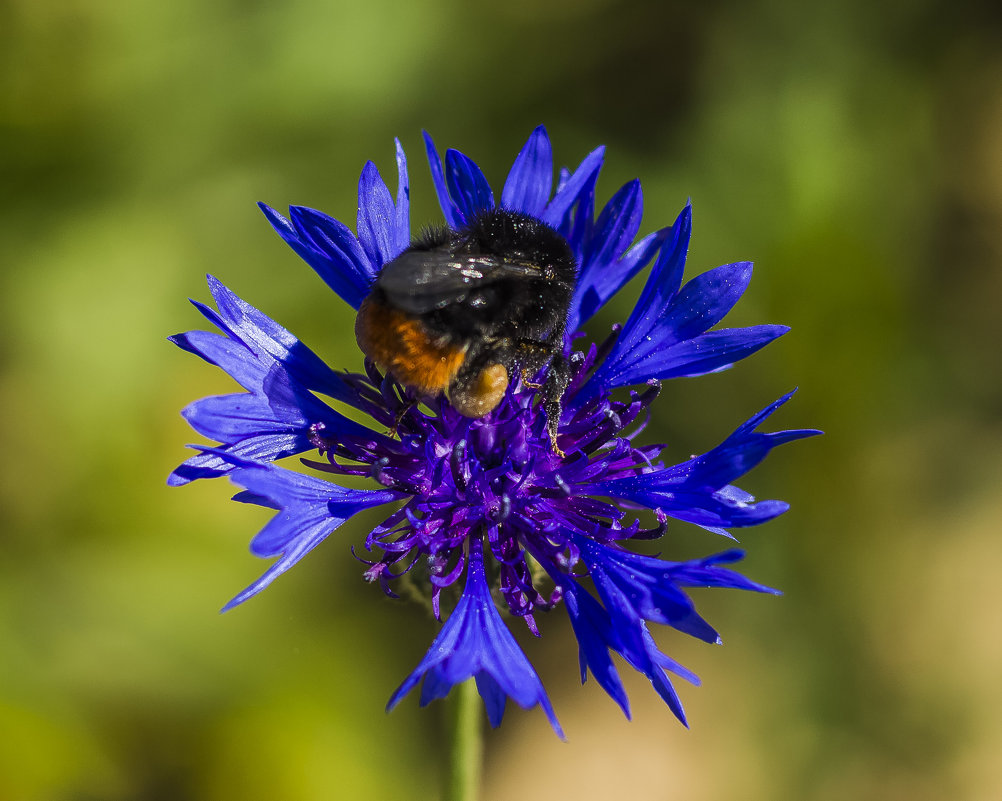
(458, 310)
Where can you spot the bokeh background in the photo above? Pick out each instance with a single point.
(852, 149)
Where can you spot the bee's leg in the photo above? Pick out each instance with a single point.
(406, 406)
(557, 379)
(533, 355)
(527, 381)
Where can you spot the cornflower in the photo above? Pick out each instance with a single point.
(487, 513)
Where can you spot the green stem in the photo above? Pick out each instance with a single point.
(467, 743)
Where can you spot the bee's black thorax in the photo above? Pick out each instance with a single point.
(528, 306)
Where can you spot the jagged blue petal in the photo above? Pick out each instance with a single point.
(607, 262)
(329, 247)
(450, 211)
(267, 447)
(230, 418)
(309, 510)
(704, 301)
(467, 185)
(376, 217)
(706, 572)
(619, 627)
(595, 637)
(636, 588)
(600, 285)
(664, 336)
(655, 301)
(268, 343)
(494, 697)
(578, 223)
(569, 192)
(530, 179)
(474, 642)
(698, 489)
(716, 513)
(707, 353)
(632, 589)
(225, 352)
(275, 417)
(401, 236)
(663, 283)
(616, 227)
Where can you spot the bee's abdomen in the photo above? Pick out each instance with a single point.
(403, 346)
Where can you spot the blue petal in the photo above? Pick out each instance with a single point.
(634, 589)
(229, 418)
(706, 573)
(402, 224)
(655, 672)
(698, 490)
(450, 211)
(654, 302)
(494, 697)
(570, 191)
(662, 284)
(468, 187)
(280, 373)
(705, 300)
(281, 405)
(744, 449)
(377, 217)
(329, 247)
(666, 662)
(224, 352)
(666, 277)
(606, 266)
(715, 513)
(563, 176)
(264, 447)
(269, 342)
(653, 585)
(664, 336)
(383, 228)
(619, 627)
(601, 285)
(616, 227)
(474, 642)
(310, 509)
(707, 353)
(593, 631)
(579, 223)
(531, 177)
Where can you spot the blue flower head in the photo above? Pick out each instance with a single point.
(484, 513)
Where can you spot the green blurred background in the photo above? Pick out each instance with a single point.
(852, 149)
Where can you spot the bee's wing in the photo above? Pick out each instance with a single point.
(419, 281)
